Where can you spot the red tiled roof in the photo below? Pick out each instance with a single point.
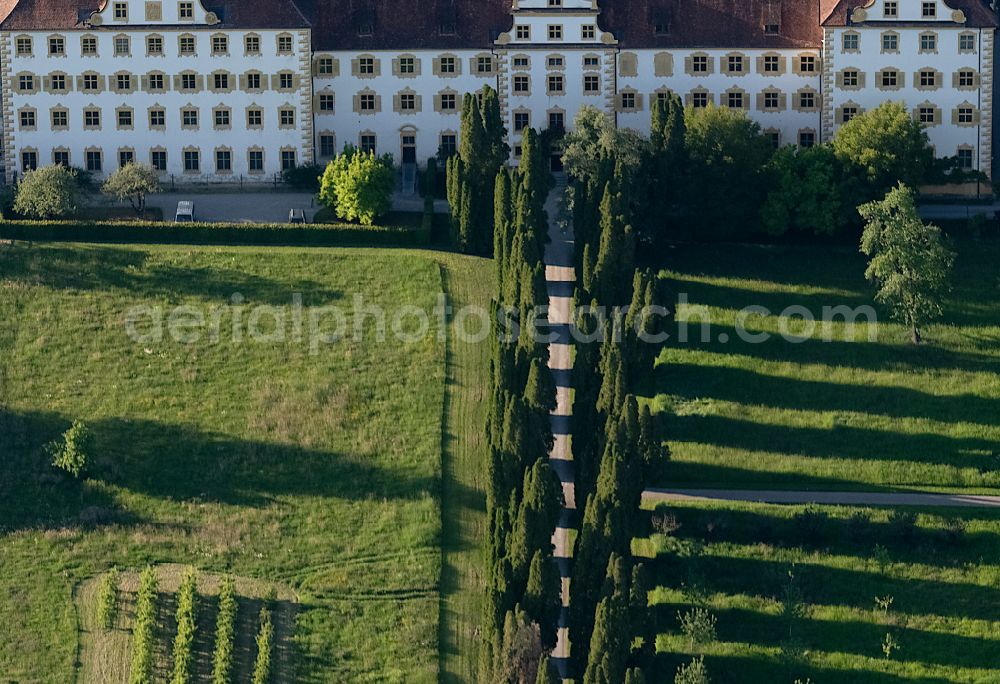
(398, 25)
(713, 23)
(28, 15)
(977, 12)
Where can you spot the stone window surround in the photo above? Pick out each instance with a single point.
(333, 62)
(730, 58)
(689, 96)
(780, 59)
(519, 79)
(52, 124)
(438, 65)
(255, 110)
(118, 124)
(557, 78)
(900, 79)
(971, 51)
(216, 159)
(474, 65)
(95, 114)
(215, 120)
(67, 80)
(263, 159)
(882, 43)
(25, 112)
(376, 102)
(588, 78)
(287, 112)
(845, 50)
(932, 35)
(62, 150)
(966, 107)
(842, 78)
(799, 60)
(663, 64)
(439, 101)
(918, 79)
(736, 90)
(689, 64)
(934, 110)
(781, 97)
(320, 97)
(414, 62)
(149, 117)
(127, 40)
(526, 66)
(628, 65)
(369, 60)
(147, 81)
(191, 112)
(49, 41)
(224, 52)
(397, 102)
(150, 53)
(850, 104)
(971, 74)
(197, 157)
(637, 102)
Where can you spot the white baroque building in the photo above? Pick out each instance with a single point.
(247, 88)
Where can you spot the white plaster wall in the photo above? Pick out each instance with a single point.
(174, 138)
(945, 137)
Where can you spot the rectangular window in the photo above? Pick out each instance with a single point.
(521, 84)
(156, 82)
(60, 119)
(448, 65)
(591, 84)
(807, 64)
(121, 11)
(125, 118)
(29, 160)
(926, 115)
(735, 64)
(253, 82)
(189, 118)
(251, 45)
(449, 103)
(255, 161)
(928, 79)
(255, 118)
(588, 62)
(157, 118)
(699, 100)
(521, 121)
(92, 118)
(772, 100)
(406, 65)
(94, 161)
(852, 42)
(26, 83)
(185, 10)
(522, 32)
(285, 81)
(288, 160)
(122, 45)
(966, 79)
(158, 160)
(699, 64)
(221, 81)
(326, 102)
(366, 66)
(928, 10)
(967, 42)
(222, 118)
(367, 102)
(555, 84)
(192, 161)
(220, 45)
(60, 157)
(90, 82)
(891, 9)
(851, 78)
(965, 158)
(448, 146)
(368, 143)
(890, 42)
(484, 65)
(223, 161)
(23, 47)
(557, 121)
(966, 115)
(123, 82)
(848, 113)
(408, 102)
(57, 46)
(807, 139)
(772, 64)
(327, 146)
(890, 79)
(126, 157)
(189, 81)
(286, 117)
(588, 32)
(627, 100)
(555, 32)
(57, 82)
(928, 42)
(28, 119)
(555, 62)
(88, 45)
(154, 45)
(284, 45)
(734, 100)
(807, 100)
(186, 45)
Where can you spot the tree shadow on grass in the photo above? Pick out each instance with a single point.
(842, 636)
(89, 267)
(841, 442)
(820, 584)
(744, 386)
(178, 463)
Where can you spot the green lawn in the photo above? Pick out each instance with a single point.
(735, 560)
(847, 413)
(836, 411)
(321, 473)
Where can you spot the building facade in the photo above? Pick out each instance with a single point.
(248, 88)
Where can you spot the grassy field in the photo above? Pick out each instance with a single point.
(735, 560)
(836, 410)
(318, 472)
(844, 412)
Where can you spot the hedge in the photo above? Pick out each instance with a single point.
(147, 232)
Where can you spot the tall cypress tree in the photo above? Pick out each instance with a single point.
(543, 596)
(502, 222)
(611, 639)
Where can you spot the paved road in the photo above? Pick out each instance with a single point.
(262, 206)
(830, 498)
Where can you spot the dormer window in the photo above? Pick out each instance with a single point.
(890, 10)
(771, 18)
(662, 19)
(121, 11)
(772, 29)
(928, 10)
(364, 20)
